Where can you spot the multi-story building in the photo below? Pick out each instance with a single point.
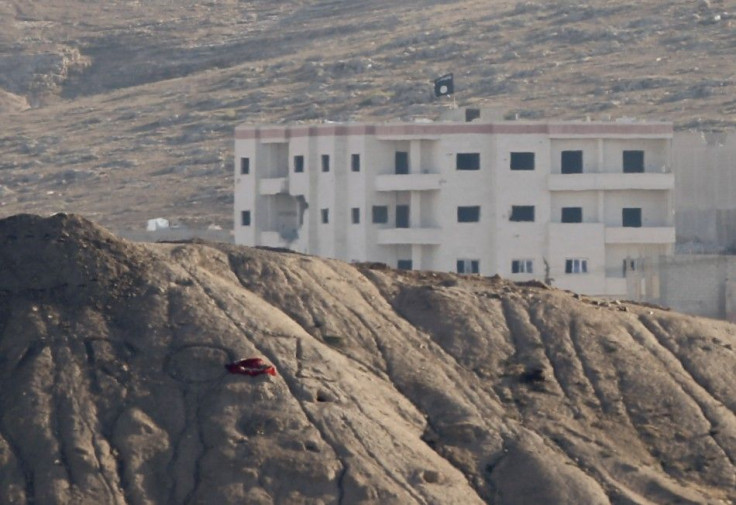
(576, 203)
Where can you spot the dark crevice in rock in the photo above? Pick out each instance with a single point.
(56, 417)
(706, 411)
(590, 374)
(194, 425)
(315, 423)
(380, 461)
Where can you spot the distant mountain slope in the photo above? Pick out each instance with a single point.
(138, 100)
(392, 387)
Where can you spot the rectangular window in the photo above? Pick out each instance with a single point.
(469, 214)
(571, 162)
(380, 214)
(576, 266)
(633, 162)
(401, 162)
(298, 163)
(522, 161)
(471, 114)
(522, 266)
(468, 266)
(355, 162)
(404, 265)
(325, 162)
(402, 216)
(522, 213)
(244, 166)
(631, 218)
(245, 218)
(355, 215)
(467, 161)
(572, 214)
(325, 216)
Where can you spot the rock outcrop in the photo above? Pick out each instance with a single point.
(392, 387)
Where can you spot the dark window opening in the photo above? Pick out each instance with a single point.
(298, 163)
(355, 214)
(468, 214)
(404, 265)
(244, 166)
(522, 161)
(631, 217)
(355, 162)
(402, 216)
(471, 114)
(522, 213)
(325, 162)
(325, 216)
(633, 162)
(468, 266)
(572, 214)
(467, 161)
(401, 165)
(572, 162)
(629, 264)
(522, 267)
(380, 214)
(245, 218)
(576, 266)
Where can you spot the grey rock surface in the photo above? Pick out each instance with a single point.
(392, 387)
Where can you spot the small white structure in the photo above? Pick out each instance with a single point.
(579, 203)
(158, 223)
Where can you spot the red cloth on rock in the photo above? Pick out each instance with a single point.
(251, 366)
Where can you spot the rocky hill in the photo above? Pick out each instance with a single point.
(391, 387)
(125, 110)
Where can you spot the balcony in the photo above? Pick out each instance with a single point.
(644, 235)
(611, 181)
(408, 182)
(574, 233)
(277, 238)
(417, 236)
(273, 186)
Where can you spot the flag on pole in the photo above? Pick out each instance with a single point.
(443, 86)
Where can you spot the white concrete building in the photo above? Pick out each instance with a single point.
(576, 202)
(705, 197)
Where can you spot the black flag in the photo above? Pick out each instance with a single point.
(443, 86)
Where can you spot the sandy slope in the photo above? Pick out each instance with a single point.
(392, 387)
(134, 102)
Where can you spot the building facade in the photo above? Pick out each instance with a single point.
(579, 204)
(704, 165)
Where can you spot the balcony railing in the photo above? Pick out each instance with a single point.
(611, 181)
(418, 236)
(643, 235)
(278, 238)
(273, 186)
(408, 182)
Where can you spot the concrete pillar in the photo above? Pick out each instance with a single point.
(415, 157)
(416, 257)
(415, 209)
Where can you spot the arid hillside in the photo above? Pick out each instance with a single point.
(124, 110)
(391, 387)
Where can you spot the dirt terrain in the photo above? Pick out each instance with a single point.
(124, 110)
(392, 387)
